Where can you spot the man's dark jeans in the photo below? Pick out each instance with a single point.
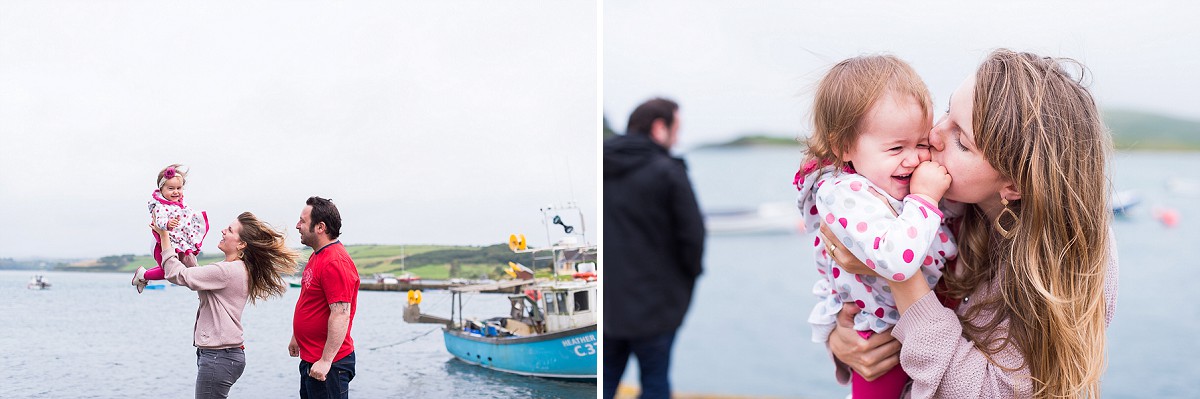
(654, 361)
(336, 384)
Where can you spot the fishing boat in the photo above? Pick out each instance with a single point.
(550, 328)
(38, 282)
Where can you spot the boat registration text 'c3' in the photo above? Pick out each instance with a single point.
(583, 346)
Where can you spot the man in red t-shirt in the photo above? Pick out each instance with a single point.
(325, 310)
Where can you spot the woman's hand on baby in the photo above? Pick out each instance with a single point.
(844, 258)
(931, 180)
(871, 357)
(160, 232)
(172, 224)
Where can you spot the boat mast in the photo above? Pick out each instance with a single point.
(582, 225)
(549, 244)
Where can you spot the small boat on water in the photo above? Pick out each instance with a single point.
(784, 218)
(552, 336)
(1183, 186)
(550, 329)
(1122, 201)
(386, 278)
(767, 218)
(38, 282)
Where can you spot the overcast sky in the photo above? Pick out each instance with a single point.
(750, 66)
(448, 122)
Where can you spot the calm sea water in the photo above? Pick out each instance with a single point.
(93, 336)
(747, 332)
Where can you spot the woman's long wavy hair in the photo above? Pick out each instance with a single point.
(1039, 126)
(267, 257)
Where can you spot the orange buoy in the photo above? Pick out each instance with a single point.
(1169, 217)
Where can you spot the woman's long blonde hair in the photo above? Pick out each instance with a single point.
(267, 257)
(1040, 127)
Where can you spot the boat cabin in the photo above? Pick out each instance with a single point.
(569, 307)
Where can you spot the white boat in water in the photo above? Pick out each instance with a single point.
(550, 326)
(1184, 186)
(38, 282)
(785, 218)
(386, 278)
(767, 218)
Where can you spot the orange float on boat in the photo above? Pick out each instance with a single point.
(587, 276)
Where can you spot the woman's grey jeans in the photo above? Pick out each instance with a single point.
(218, 369)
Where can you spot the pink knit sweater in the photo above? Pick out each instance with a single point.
(944, 364)
(223, 288)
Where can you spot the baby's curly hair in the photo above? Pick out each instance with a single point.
(846, 94)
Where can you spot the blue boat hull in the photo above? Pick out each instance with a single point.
(567, 354)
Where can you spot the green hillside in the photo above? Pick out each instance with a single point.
(757, 140)
(1131, 131)
(434, 261)
(427, 261)
(1136, 130)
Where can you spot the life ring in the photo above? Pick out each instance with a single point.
(535, 295)
(414, 297)
(585, 275)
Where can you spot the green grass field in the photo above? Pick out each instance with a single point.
(433, 263)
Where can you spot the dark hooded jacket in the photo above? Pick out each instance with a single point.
(653, 238)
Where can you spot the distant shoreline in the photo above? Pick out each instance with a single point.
(784, 142)
(1131, 131)
(426, 261)
(757, 140)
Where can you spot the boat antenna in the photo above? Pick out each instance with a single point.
(570, 180)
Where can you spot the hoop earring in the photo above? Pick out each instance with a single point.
(241, 255)
(1006, 233)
